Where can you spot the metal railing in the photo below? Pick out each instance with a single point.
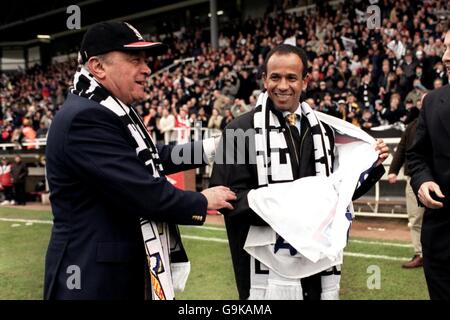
(368, 205)
(25, 144)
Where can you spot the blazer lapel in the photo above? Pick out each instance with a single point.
(443, 109)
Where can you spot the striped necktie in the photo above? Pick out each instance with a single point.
(291, 119)
(294, 136)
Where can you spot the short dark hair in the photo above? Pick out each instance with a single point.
(287, 49)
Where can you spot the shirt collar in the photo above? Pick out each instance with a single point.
(297, 112)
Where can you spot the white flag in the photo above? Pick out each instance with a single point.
(291, 40)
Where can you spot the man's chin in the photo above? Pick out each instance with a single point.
(139, 97)
(283, 105)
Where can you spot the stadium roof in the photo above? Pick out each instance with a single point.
(22, 21)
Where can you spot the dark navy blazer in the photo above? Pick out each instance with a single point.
(99, 189)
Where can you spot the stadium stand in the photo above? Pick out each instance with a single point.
(373, 77)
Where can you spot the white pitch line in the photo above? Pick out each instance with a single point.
(204, 238)
(350, 254)
(390, 244)
(206, 228)
(26, 220)
(374, 256)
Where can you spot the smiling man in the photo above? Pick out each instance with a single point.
(115, 214)
(289, 144)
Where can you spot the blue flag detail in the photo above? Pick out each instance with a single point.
(281, 244)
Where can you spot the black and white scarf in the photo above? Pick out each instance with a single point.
(272, 154)
(274, 166)
(162, 241)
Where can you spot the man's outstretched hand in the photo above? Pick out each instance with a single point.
(218, 197)
(429, 193)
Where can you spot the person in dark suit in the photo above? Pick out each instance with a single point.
(107, 179)
(415, 213)
(19, 173)
(284, 80)
(429, 166)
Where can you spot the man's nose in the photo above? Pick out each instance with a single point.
(446, 56)
(283, 84)
(146, 69)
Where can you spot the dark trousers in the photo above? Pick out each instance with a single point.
(437, 274)
(435, 240)
(8, 191)
(19, 193)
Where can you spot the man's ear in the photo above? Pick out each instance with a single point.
(264, 77)
(306, 81)
(97, 68)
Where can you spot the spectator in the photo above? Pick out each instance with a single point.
(415, 213)
(226, 119)
(395, 111)
(409, 66)
(150, 121)
(19, 173)
(327, 106)
(380, 113)
(202, 117)
(417, 93)
(6, 133)
(215, 120)
(368, 120)
(353, 110)
(437, 83)
(366, 92)
(6, 182)
(166, 125)
(28, 133)
(41, 133)
(239, 108)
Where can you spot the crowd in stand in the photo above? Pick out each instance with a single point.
(29, 100)
(366, 75)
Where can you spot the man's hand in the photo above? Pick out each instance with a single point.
(425, 195)
(218, 197)
(383, 151)
(392, 178)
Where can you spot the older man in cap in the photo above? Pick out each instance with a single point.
(115, 214)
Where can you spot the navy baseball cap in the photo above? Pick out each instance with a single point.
(110, 36)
